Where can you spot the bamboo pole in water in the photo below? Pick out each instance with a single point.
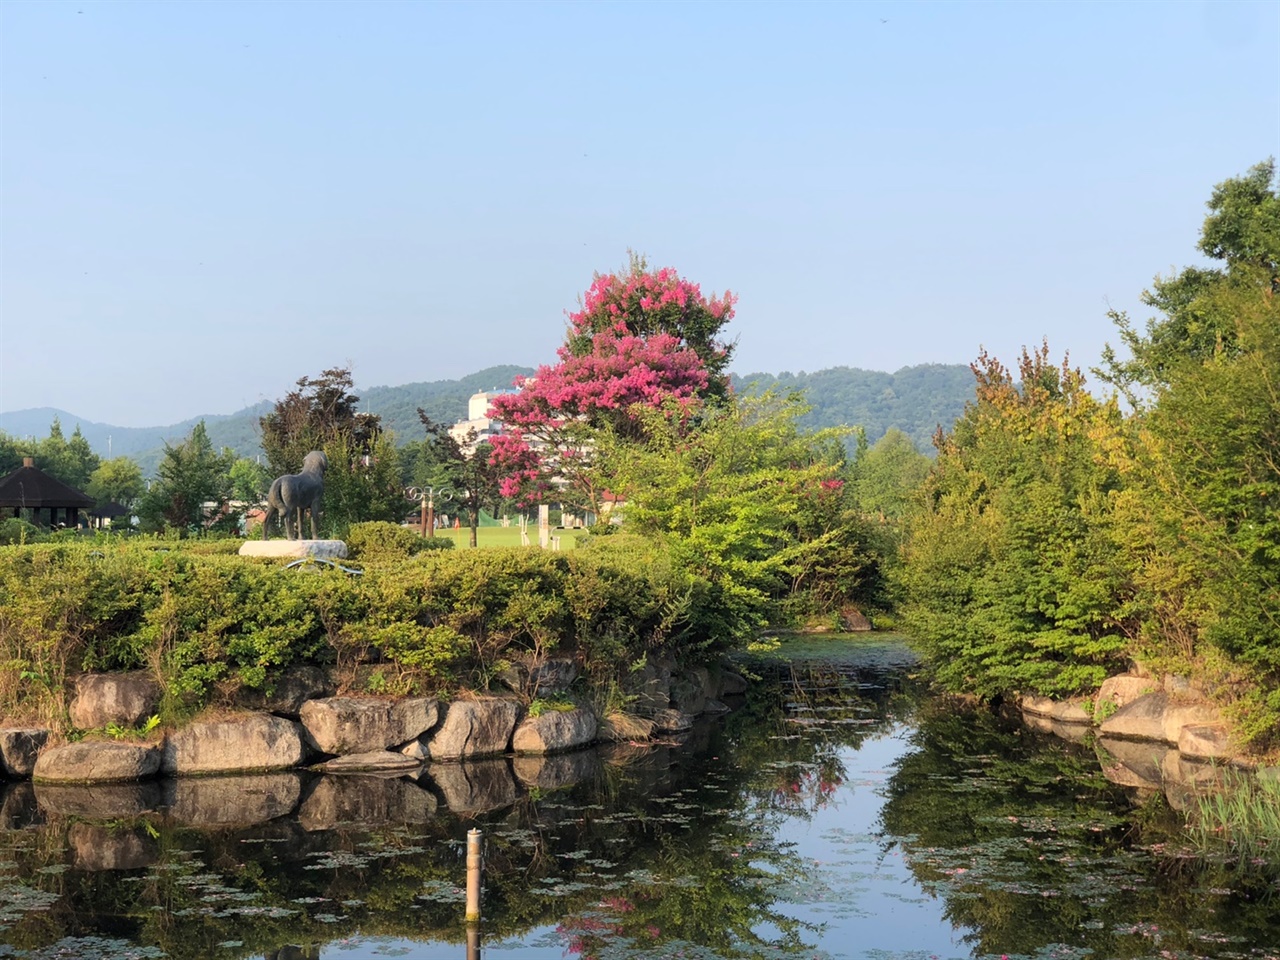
(475, 862)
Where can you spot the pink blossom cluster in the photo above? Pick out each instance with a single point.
(647, 301)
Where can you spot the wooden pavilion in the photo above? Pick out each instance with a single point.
(29, 491)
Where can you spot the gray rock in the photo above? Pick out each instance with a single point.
(1119, 691)
(256, 741)
(1065, 711)
(375, 760)
(365, 802)
(671, 721)
(729, 684)
(232, 800)
(555, 731)
(556, 771)
(127, 699)
(1157, 717)
(854, 620)
(716, 707)
(475, 787)
(650, 687)
(296, 684)
(97, 801)
(96, 762)
(474, 728)
(95, 847)
(1207, 741)
(19, 748)
(337, 725)
(690, 690)
(295, 549)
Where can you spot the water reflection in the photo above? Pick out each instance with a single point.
(836, 796)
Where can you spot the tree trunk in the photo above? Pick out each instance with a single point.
(473, 517)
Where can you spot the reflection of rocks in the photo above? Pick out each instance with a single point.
(296, 684)
(256, 741)
(127, 699)
(1156, 717)
(96, 847)
(365, 802)
(556, 771)
(18, 808)
(226, 801)
(1187, 780)
(1075, 732)
(475, 786)
(360, 724)
(644, 768)
(376, 761)
(474, 728)
(291, 952)
(19, 749)
(555, 731)
(97, 761)
(105, 801)
(1132, 764)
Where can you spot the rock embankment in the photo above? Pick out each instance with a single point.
(369, 736)
(1153, 734)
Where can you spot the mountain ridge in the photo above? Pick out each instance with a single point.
(915, 399)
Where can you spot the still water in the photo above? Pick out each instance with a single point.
(839, 812)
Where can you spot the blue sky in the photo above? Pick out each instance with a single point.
(202, 202)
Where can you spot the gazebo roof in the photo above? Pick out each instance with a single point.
(29, 486)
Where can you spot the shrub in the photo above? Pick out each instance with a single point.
(15, 530)
(378, 541)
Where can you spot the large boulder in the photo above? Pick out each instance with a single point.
(19, 748)
(336, 725)
(729, 684)
(1120, 691)
(238, 801)
(97, 762)
(477, 786)
(690, 690)
(650, 687)
(1064, 711)
(375, 761)
(474, 728)
(671, 721)
(1156, 716)
(296, 684)
(295, 549)
(256, 741)
(365, 802)
(126, 699)
(539, 678)
(555, 731)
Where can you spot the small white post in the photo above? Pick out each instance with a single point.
(475, 861)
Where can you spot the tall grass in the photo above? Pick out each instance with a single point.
(1244, 817)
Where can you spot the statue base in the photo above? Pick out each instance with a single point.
(295, 549)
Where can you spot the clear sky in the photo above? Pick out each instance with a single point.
(201, 202)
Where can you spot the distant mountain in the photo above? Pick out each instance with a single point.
(916, 400)
(443, 400)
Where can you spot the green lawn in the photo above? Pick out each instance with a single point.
(510, 536)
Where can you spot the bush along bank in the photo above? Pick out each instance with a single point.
(128, 646)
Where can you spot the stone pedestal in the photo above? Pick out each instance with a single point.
(295, 549)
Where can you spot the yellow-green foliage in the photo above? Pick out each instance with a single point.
(207, 624)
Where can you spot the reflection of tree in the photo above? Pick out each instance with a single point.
(1022, 838)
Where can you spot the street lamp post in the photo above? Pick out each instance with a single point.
(427, 497)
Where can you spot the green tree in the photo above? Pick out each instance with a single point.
(1012, 571)
(888, 475)
(1197, 305)
(249, 481)
(70, 460)
(467, 469)
(117, 481)
(192, 488)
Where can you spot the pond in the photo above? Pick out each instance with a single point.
(841, 811)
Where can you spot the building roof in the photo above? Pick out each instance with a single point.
(29, 486)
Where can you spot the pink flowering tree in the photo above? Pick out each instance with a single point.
(642, 341)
